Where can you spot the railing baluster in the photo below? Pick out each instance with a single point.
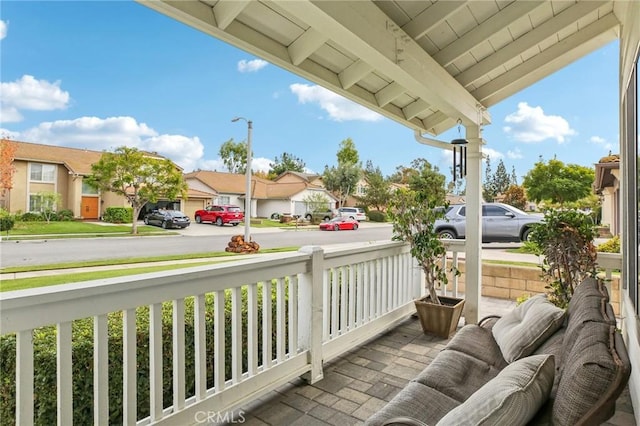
(334, 302)
(280, 320)
(155, 361)
(218, 341)
(200, 345)
(384, 284)
(64, 367)
(293, 315)
(236, 334)
(326, 303)
(366, 292)
(24, 378)
(178, 355)
(343, 283)
(252, 329)
(454, 278)
(267, 325)
(129, 368)
(100, 371)
(360, 293)
(352, 297)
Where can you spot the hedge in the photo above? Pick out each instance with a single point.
(118, 215)
(82, 354)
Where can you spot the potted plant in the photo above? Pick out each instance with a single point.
(414, 216)
(565, 240)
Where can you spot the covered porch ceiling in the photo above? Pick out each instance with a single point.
(425, 64)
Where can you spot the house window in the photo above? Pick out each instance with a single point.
(224, 199)
(42, 172)
(88, 189)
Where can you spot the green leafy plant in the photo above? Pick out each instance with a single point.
(118, 215)
(6, 220)
(611, 246)
(414, 218)
(566, 240)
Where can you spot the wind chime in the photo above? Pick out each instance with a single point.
(459, 168)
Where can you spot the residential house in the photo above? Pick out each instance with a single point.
(607, 185)
(286, 195)
(41, 168)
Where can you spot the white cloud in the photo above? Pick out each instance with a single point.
(515, 154)
(27, 93)
(261, 164)
(491, 153)
(9, 134)
(338, 107)
(597, 140)
(530, 124)
(3, 29)
(251, 66)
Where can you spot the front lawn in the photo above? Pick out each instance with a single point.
(74, 227)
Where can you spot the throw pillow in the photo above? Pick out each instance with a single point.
(512, 397)
(527, 326)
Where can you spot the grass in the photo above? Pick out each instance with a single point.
(73, 227)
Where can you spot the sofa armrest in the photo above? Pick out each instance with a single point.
(487, 321)
(408, 421)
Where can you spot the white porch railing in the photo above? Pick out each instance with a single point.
(287, 314)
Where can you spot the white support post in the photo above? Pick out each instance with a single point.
(473, 248)
(310, 312)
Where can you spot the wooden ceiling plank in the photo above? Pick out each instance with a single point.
(430, 17)
(389, 93)
(354, 73)
(226, 11)
(531, 69)
(415, 108)
(485, 30)
(528, 40)
(310, 41)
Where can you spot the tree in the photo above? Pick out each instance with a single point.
(558, 183)
(317, 202)
(234, 156)
(427, 181)
(515, 196)
(137, 177)
(501, 180)
(49, 204)
(348, 154)
(342, 180)
(286, 163)
(378, 189)
(488, 188)
(514, 177)
(7, 169)
(459, 187)
(402, 175)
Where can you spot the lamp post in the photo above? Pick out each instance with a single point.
(247, 197)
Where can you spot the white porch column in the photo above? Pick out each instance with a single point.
(473, 249)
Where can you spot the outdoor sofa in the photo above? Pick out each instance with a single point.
(537, 365)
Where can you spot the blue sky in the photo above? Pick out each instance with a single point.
(99, 75)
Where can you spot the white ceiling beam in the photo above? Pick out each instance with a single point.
(415, 108)
(549, 61)
(432, 16)
(388, 93)
(484, 31)
(528, 40)
(354, 73)
(310, 41)
(226, 11)
(363, 29)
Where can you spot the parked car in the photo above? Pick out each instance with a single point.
(500, 222)
(339, 224)
(324, 215)
(353, 212)
(167, 219)
(220, 214)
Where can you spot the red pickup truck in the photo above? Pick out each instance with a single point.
(220, 215)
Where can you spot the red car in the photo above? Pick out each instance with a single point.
(339, 224)
(220, 215)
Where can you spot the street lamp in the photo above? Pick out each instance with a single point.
(247, 197)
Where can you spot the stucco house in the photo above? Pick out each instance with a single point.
(282, 196)
(43, 168)
(607, 185)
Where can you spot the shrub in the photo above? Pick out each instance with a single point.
(611, 246)
(377, 216)
(118, 215)
(6, 220)
(565, 239)
(65, 215)
(31, 217)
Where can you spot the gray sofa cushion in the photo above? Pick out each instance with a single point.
(416, 401)
(456, 374)
(512, 397)
(478, 342)
(595, 372)
(521, 331)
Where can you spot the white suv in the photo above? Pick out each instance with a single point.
(353, 213)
